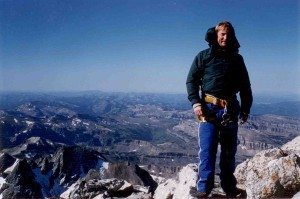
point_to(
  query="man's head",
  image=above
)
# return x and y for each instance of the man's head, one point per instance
(225, 32)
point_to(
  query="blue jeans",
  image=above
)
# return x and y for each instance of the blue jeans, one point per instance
(210, 134)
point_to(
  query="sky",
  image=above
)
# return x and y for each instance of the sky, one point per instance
(141, 45)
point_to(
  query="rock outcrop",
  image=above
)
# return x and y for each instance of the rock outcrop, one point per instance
(20, 183)
(111, 184)
(6, 161)
(47, 176)
(73, 162)
(272, 173)
(99, 188)
(179, 187)
(131, 173)
(74, 172)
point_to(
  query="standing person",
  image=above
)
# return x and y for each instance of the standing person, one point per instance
(219, 72)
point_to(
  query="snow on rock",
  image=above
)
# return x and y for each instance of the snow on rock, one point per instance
(96, 188)
(85, 123)
(76, 121)
(2, 181)
(29, 123)
(100, 196)
(178, 188)
(68, 192)
(11, 168)
(271, 173)
(104, 164)
(21, 182)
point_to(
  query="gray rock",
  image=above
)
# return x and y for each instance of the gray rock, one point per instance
(21, 183)
(179, 187)
(5, 161)
(131, 173)
(72, 162)
(99, 188)
(271, 173)
(296, 196)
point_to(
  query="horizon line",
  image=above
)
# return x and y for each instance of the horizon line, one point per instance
(136, 92)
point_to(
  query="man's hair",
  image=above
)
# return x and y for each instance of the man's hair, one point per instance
(211, 35)
(225, 25)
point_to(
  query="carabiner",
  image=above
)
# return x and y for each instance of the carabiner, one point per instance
(225, 117)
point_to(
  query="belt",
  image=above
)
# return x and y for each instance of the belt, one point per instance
(216, 101)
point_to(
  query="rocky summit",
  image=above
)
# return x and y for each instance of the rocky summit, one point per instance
(272, 173)
(117, 180)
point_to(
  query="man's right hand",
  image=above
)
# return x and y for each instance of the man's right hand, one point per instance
(198, 111)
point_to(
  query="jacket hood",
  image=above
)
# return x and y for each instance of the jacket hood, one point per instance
(211, 38)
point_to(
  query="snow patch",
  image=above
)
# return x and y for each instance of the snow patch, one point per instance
(62, 180)
(67, 193)
(158, 179)
(11, 168)
(125, 185)
(100, 196)
(101, 165)
(105, 165)
(49, 142)
(85, 123)
(75, 121)
(29, 123)
(2, 181)
(28, 155)
(25, 131)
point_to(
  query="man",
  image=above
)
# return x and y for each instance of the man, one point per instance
(220, 73)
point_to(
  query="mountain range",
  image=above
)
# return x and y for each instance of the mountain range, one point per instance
(60, 137)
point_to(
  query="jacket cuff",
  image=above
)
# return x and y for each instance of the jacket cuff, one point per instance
(196, 105)
(195, 101)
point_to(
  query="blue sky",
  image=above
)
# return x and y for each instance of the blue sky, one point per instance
(139, 45)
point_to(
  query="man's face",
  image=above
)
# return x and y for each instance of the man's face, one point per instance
(222, 37)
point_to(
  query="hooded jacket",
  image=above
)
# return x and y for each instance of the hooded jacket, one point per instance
(219, 72)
